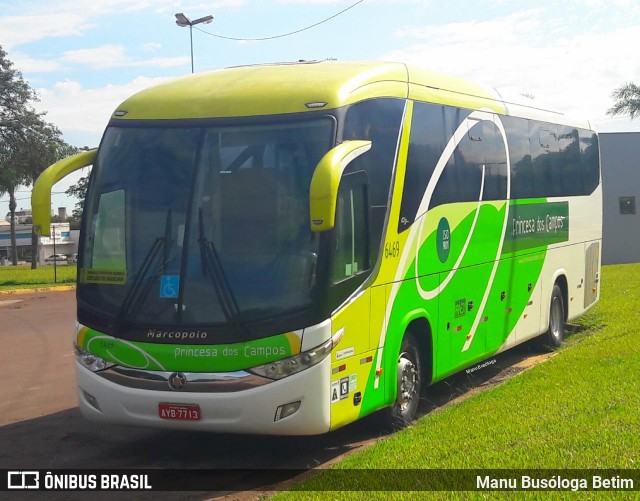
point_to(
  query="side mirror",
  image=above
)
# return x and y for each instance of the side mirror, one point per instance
(41, 194)
(323, 194)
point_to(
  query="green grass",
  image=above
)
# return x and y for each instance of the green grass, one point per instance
(23, 277)
(578, 410)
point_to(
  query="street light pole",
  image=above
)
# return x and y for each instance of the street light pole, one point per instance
(183, 21)
(191, 40)
(55, 256)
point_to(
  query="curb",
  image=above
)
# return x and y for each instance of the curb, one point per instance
(38, 289)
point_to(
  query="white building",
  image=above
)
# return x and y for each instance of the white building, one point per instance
(62, 239)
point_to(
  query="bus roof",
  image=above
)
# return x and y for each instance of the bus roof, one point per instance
(267, 89)
(305, 86)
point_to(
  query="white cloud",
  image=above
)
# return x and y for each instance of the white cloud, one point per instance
(163, 62)
(314, 2)
(509, 28)
(346, 3)
(25, 63)
(195, 9)
(151, 47)
(114, 56)
(18, 30)
(105, 56)
(527, 52)
(83, 113)
(61, 18)
(101, 6)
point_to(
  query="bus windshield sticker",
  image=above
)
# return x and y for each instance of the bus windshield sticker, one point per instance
(108, 277)
(353, 383)
(346, 353)
(344, 388)
(335, 387)
(169, 286)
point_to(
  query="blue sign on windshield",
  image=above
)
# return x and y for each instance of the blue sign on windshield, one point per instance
(169, 286)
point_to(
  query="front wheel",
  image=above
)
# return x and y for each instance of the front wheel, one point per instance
(404, 409)
(552, 339)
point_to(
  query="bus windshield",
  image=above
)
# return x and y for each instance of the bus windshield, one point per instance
(198, 226)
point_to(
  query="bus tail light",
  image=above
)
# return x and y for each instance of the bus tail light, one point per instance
(292, 365)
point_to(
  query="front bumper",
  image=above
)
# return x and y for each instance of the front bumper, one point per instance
(249, 410)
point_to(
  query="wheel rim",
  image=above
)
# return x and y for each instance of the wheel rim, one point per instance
(555, 323)
(407, 382)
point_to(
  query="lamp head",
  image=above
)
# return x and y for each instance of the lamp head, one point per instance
(182, 20)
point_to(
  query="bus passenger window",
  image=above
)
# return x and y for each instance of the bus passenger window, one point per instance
(543, 147)
(431, 128)
(590, 161)
(567, 162)
(517, 130)
(379, 121)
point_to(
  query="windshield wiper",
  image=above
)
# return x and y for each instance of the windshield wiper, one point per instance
(213, 268)
(167, 241)
(133, 298)
(133, 294)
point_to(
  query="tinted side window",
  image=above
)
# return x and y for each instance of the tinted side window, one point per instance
(377, 120)
(546, 160)
(517, 130)
(431, 129)
(551, 160)
(544, 144)
(449, 189)
(568, 161)
(480, 150)
(466, 174)
(494, 159)
(590, 160)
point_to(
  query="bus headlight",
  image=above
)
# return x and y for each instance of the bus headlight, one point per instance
(89, 360)
(301, 361)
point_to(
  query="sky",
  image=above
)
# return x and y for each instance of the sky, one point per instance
(84, 58)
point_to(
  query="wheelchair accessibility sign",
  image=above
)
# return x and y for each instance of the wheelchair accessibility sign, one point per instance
(169, 286)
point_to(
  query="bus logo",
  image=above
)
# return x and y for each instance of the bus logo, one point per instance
(177, 381)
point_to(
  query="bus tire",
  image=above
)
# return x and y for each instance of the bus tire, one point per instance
(403, 411)
(552, 339)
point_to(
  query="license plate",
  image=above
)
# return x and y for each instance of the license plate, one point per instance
(179, 412)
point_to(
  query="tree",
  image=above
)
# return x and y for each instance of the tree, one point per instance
(15, 95)
(627, 98)
(59, 150)
(79, 191)
(28, 144)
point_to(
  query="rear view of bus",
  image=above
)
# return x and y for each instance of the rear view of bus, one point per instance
(244, 264)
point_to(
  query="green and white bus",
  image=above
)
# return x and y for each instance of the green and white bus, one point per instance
(284, 249)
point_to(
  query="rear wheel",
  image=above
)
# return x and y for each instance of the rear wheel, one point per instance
(404, 409)
(552, 339)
